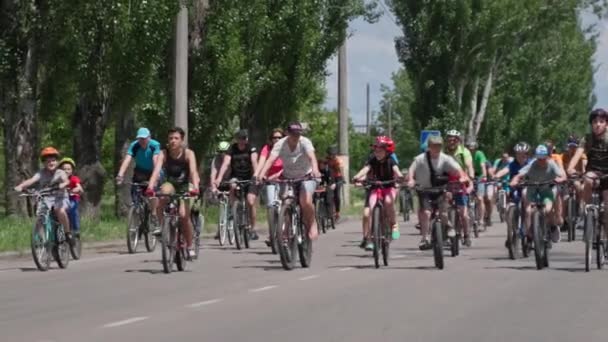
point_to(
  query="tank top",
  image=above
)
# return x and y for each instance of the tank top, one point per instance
(597, 153)
(176, 170)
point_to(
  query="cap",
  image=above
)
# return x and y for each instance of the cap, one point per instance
(541, 152)
(143, 133)
(294, 127)
(435, 140)
(242, 134)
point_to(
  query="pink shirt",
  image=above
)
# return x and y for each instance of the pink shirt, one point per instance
(277, 166)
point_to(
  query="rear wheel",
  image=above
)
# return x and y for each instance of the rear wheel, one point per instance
(222, 229)
(304, 247)
(40, 245)
(589, 234)
(181, 254)
(376, 231)
(286, 240)
(61, 249)
(168, 248)
(539, 240)
(133, 225)
(512, 232)
(76, 247)
(571, 218)
(437, 244)
(238, 229)
(197, 223)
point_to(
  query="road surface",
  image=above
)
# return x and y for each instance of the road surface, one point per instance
(232, 295)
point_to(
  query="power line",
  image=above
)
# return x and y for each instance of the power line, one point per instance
(388, 12)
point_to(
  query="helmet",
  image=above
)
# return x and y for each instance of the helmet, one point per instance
(521, 147)
(386, 142)
(223, 146)
(572, 141)
(49, 152)
(472, 145)
(67, 160)
(599, 112)
(332, 150)
(541, 151)
(453, 133)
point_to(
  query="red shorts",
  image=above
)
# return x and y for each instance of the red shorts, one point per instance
(386, 192)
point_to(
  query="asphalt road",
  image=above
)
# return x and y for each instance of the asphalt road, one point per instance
(232, 295)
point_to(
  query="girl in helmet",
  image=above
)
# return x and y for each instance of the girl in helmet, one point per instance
(51, 176)
(75, 189)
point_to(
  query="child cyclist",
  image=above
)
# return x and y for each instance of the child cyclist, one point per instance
(381, 167)
(75, 189)
(51, 176)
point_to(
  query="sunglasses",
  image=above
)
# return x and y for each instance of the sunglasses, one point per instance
(276, 138)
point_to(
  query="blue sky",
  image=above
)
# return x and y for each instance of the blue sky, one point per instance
(372, 58)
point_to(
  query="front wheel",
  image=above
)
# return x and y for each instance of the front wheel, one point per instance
(286, 240)
(168, 247)
(198, 224)
(437, 244)
(133, 225)
(589, 234)
(238, 229)
(512, 232)
(376, 235)
(40, 244)
(571, 218)
(305, 246)
(222, 224)
(61, 249)
(273, 218)
(539, 240)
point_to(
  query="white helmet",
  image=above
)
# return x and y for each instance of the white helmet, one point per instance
(453, 133)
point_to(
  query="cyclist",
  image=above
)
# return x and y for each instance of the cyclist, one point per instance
(242, 159)
(595, 145)
(336, 170)
(50, 176)
(381, 168)
(559, 198)
(75, 189)
(216, 164)
(542, 169)
(270, 190)
(484, 191)
(426, 171)
(180, 169)
(572, 145)
(299, 160)
(145, 151)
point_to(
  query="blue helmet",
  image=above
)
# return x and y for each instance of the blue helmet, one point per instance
(541, 151)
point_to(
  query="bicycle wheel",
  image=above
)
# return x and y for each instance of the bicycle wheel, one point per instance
(272, 228)
(150, 239)
(40, 246)
(197, 223)
(437, 243)
(305, 246)
(473, 218)
(61, 248)
(376, 234)
(76, 247)
(166, 242)
(386, 244)
(571, 218)
(246, 228)
(222, 229)
(230, 232)
(133, 224)
(285, 238)
(238, 229)
(589, 234)
(512, 232)
(454, 241)
(181, 253)
(539, 241)
(320, 215)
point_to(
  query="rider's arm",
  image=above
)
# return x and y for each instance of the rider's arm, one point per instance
(213, 171)
(223, 169)
(261, 162)
(362, 172)
(27, 183)
(397, 172)
(276, 175)
(156, 173)
(516, 180)
(502, 172)
(313, 161)
(254, 161)
(577, 156)
(125, 164)
(194, 177)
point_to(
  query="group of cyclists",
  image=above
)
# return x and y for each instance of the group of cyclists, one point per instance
(172, 168)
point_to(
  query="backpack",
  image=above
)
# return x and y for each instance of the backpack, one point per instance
(436, 180)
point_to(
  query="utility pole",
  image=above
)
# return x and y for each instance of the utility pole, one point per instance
(367, 108)
(343, 118)
(390, 121)
(180, 71)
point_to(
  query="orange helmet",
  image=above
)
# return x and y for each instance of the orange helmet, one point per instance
(49, 152)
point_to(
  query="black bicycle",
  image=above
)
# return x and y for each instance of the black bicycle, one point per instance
(138, 220)
(572, 208)
(173, 240)
(240, 213)
(292, 237)
(436, 195)
(322, 199)
(406, 203)
(595, 231)
(540, 234)
(516, 237)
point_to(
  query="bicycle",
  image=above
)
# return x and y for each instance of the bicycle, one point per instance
(540, 233)
(405, 201)
(594, 227)
(323, 200)
(473, 210)
(291, 234)
(501, 201)
(273, 219)
(572, 208)
(240, 214)
(515, 226)
(225, 225)
(456, 221)
(173, 241)
(48, 234)
(437, 228)
(381, 230)
(138, 219)
(198, 223)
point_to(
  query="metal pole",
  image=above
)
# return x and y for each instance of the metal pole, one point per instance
(390, 121)
(343, 118)
(367, 130)
(180, 85)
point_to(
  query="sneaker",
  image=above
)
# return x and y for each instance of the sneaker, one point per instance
(467, 241)
(369, 246)
(155, 226)
(488, 222)
(253, 235)
(556, 235)
(267, 242)
(507, 244)
(191, 252)
(424, 245)
(363, 243)
(418, 226)
(451, 232)
(217, 236)
(395, 234)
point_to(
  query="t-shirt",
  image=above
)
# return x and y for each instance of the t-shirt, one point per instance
(596, 149)
(515, 167)
(241, 165)
(557, 158)
(74, 181)
(381, 170)
(566, 158)
(534, 172)
(144, 161)
(296, 163)
(277, 166)
(47, 179)
(335, 167)
(500, 164)
(479, 161)
(442, 165)
(462, 155)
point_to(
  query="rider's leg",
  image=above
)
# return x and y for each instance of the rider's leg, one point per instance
(184, 218)
(307, 190)
(63, 219)
(489, 201)
(481, 192)
(337, 198)
(389, 210)
(74, 216)
(528, 219)
(251, 203)
(559, 207)
(588, 184)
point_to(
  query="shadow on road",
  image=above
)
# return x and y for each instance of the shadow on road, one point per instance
(359, 267)
(517, 268)
(150, 271)
(353, 255)
(28, 269)
(265, 268)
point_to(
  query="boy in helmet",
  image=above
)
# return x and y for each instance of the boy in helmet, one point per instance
(336, 170)
(51, 176)
(595, 146)
(75, 189)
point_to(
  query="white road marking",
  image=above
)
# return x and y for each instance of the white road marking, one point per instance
(125, 322)
(207, 302)
(265, 288)
(314, 276)
(345, 269)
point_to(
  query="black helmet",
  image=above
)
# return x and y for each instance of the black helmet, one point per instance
(598, 112)
(332, 150)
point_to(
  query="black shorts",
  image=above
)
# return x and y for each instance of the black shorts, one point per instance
(603, 186)
(249, 188)
(425, 199)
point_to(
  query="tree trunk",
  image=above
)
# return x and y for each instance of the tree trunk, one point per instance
(90, 120)
(20, 128)
(473, 108)
(125, 127)
(478, 113)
